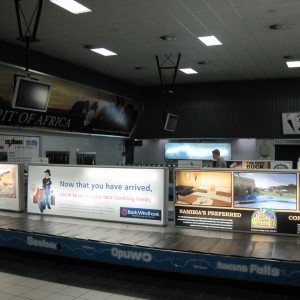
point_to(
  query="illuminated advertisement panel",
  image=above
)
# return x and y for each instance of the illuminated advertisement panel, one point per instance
(11, 191)
(133, 195)
(262, 201)
(196, 150)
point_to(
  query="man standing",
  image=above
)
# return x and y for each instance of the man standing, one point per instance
(221, 163)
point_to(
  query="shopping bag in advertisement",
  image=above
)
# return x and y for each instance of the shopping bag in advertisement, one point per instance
(36, 195)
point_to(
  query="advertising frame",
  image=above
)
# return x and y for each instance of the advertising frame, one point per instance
(136, 195)
(257, 201)
(12, 187)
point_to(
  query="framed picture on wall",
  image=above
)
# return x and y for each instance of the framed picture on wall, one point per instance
(291, 123)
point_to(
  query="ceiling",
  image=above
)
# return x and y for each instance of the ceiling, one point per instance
(132, 29)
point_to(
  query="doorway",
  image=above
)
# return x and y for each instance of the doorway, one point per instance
(288, 152)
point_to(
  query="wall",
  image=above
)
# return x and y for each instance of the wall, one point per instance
(109, 150)
(241, 109)
(236, 111)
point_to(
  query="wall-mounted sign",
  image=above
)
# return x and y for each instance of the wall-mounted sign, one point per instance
(256, 164)
(19, 149)
(133, 195)
(259, 164)
(291, 123)
(281, 165)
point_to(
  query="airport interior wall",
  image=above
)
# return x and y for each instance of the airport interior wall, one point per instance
(241, 109)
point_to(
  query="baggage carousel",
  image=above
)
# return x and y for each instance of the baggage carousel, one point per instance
(234, 255)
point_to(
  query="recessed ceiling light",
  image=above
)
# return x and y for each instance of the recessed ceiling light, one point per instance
(275, 27)
(103, 51)
(188, 71)
(71, 6)
(293, 64)
(278, 27)
(209, 40)
(168, 38)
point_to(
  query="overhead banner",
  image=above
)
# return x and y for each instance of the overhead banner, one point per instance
(65, 106)
(133, 195)
(262, 201)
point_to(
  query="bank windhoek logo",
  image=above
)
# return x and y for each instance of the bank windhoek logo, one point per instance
(264, 218)
(124, 212)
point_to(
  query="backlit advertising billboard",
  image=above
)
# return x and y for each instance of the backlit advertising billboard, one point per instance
(262, 201)
(121, 194)
(11, 187)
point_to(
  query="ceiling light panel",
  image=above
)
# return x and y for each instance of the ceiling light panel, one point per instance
(103, 51)
(293, 64)
(71, 6)
(188, 71)
(209, 40)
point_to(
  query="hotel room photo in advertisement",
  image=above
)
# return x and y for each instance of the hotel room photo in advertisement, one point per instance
(254, 201)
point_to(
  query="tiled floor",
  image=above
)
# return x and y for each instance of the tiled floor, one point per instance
(26, 275)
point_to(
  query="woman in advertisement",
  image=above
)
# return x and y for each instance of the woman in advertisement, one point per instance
(47, 188)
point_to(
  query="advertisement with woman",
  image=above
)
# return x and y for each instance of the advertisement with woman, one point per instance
(122, 194)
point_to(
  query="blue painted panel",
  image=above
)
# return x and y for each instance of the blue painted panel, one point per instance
(258, 270)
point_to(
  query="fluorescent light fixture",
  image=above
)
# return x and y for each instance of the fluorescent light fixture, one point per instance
(188, 71)
(293, 64)
(209, 40)
(72, 6)
(103, 51)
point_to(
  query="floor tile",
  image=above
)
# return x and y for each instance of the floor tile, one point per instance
(6, 296)
(96, 295)
(53, 287)
(14, 279)
(33, 283)
(4, 285)
(56, 296)
(73, 291)
(36, 294)
(120, 297)
(16, 290)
